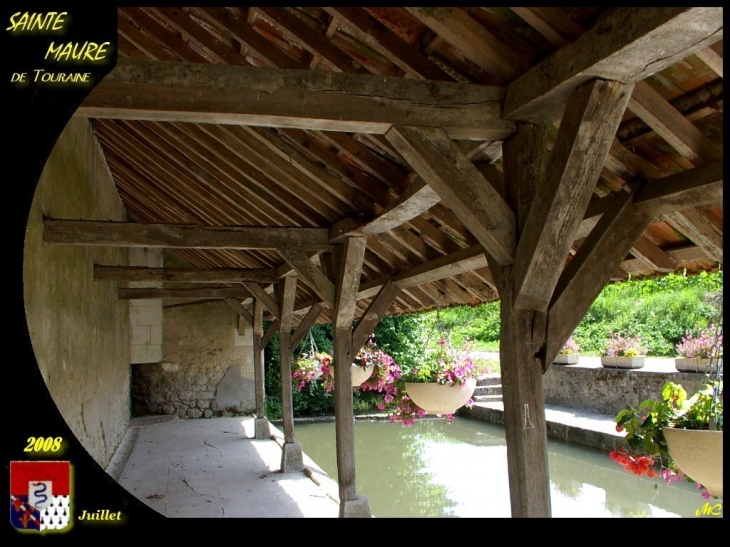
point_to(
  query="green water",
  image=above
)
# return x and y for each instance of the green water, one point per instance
(460, 470)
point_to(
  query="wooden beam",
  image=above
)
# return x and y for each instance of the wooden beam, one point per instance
(372, 316)
(670, 124)
(461, 187)
(306, 324)
(270, 332)
(698, 187)
(464, 260)
(241, 310)
(693, 225)
(584, 138)
(591, 268)
(348, 282)
(711, 59)
(258, 292)
(416, 200)
(304, 99)
(177, 236)
(207, 292)
(311, 275)
(628, 46)
(180, 275)
(258, 359)
(479, 45)
(371, 32)
(286, 293)
(653, 256)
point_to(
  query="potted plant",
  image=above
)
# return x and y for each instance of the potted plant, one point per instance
(623, 352)
(308, 368)
(696, 352)
(683, 436)
(568, 354)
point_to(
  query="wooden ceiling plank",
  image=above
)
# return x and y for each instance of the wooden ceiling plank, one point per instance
(478, 45)
(203, 292)
(380, 38)
(255, 43)
(310, 39)
(591, 268)
(311, 275)
(711, 59)
(653, 256)
(130, 234)
(144, 43)
(588, 127)
(305, 99)
(628, 46)
(181, 21)
(460, 185)
(179, 275)
(694, 226)
(670, 124)
(533, 17)
(166, 36)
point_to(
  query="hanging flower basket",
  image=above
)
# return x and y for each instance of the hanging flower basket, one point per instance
(358, 373)
(441, 399)
(698, 453)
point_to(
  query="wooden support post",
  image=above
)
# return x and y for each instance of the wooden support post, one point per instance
(259, 374)
(523, 334)
(287, 289)
(349, 270)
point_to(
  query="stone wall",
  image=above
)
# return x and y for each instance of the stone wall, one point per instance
(609, 390)
(145, 315)
(207, 365)
(78, 328)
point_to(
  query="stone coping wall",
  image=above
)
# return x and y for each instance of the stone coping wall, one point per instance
(610, 390)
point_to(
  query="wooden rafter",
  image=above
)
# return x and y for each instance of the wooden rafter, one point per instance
(628, 45)
(311, 275)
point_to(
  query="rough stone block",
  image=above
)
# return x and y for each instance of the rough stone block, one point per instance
(194, 413)
(291, 458)
(207, 413)
(145, 354)
(155, 334)
(141, 313)
(357, 508)
(261, 428)
(140, 335)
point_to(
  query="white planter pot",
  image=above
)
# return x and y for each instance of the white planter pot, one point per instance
(441, 399)
(699, 454)
(359, 374)
(623, 362)
(569, 359)
(685, 364)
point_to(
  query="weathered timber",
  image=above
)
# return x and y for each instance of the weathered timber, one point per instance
(461, 187)
(584, 138)
(670, 124)
(380, 38)
(241, 310)
(415, 201)
(698, 187)
(270, 332)
(348, 281)
(286, 292)
(258, 359)
(711, 59)
(305, 324)
(693, 225)
(304, 99)
(269, 303)
(180, 275)
(311, 275)
(203, 292)
(628, 45)
(131, 234)
(374, 313)
(653, 256)
(591, 268)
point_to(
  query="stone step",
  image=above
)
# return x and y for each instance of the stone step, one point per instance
(490, 380)
(487, 398)
(488, 390)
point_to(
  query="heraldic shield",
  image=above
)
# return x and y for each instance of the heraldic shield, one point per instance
(40, 495)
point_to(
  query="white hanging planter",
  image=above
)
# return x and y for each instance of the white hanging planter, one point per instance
(698, 453)
(566, 359)
(623, 361)
(685, 364)
(441, 399)
(358, 373)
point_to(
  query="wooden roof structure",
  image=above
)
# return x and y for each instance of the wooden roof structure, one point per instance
(226, 167)
(398, 159)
